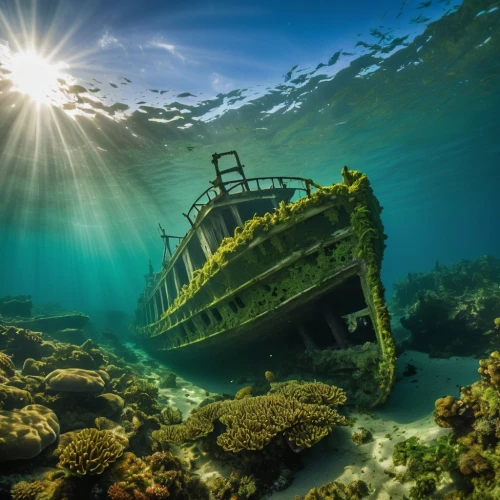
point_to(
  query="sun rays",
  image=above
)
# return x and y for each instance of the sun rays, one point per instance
(61, 167)
(36, 76)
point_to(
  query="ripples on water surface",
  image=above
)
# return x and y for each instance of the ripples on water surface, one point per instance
(86, 179)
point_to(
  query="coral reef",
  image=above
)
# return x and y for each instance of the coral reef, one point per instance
(338, 491)
(235, 486)
(75, 380)
(109, 405)
(361, 361)
(425, 463)
(7, 368)
(244, 392)
(21, 343)
(142, 395)
(26, 432)
(27, 491)
(451, 311)
(475, 420)
(301, 412)
(310, 392)
(171, 416)
(13, 398)
(362, 436)
(251, 424)
(90, 452)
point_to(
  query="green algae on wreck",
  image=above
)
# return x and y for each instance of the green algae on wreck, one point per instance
(258, 267)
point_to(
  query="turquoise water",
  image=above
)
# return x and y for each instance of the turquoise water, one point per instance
(82, 193)
(109, 115)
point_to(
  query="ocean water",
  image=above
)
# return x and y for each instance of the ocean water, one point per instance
(81, 195)
(117, 134)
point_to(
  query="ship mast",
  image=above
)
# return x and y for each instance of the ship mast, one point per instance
(166, 242)
(218, 182)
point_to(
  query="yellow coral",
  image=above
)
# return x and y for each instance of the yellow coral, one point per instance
(27, 491)
(244, 392)
(6, 365)
(200, 423)
(310, 392)
(90, 452)
(251, 423)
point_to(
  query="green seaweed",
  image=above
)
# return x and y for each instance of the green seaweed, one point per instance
(263, 234)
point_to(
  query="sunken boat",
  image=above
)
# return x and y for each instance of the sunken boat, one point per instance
(275, 264)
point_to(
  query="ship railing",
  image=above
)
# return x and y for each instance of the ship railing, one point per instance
(254, 184)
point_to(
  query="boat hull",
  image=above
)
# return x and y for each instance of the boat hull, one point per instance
(293, 278)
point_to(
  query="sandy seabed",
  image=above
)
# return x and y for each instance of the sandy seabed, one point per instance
(408, 412)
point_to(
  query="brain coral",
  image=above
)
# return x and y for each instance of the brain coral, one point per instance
(25, 433)
(75, 380)
(90, 452)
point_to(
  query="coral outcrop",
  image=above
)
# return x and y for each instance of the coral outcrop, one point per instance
(7, 368)
(12, 397)
(303, 413)
(21, 343)
(90, 452)
(171, 416)
(451, 311)
(27, 491)
(471, 451)
(338, 491)
(425, 463)
(361, 361)
(75, 380)
(26, 432)
(254, 422)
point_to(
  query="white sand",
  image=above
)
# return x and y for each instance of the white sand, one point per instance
(408, 412)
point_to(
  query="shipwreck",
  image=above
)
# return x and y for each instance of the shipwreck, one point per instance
(273, 261)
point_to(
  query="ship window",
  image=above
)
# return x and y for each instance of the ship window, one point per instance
(190, 326)
(216, 314)
(172, 291)
(205, 318)
(180, 269)
(164, 295)
(196, 253)
(228, 218)
(233, 307)
(239, 302)
(158, 303)
(183, 332)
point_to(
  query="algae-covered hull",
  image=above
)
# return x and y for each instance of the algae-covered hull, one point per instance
(305, 275)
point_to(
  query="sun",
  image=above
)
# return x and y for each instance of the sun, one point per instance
(35, 76)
